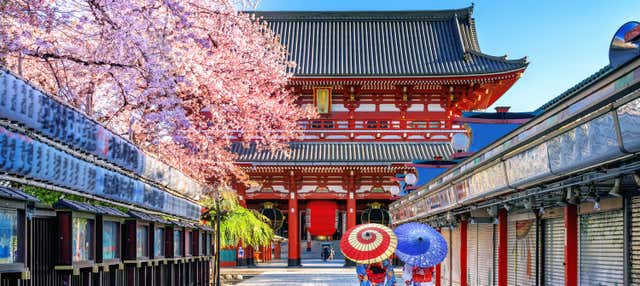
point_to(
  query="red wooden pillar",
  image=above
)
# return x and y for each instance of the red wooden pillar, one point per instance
(351, 202)
(463, 253)
(502, 248)
(294, 240)
(438, 271)
(241, 190)
(571, 245)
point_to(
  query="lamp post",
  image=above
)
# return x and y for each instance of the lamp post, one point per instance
(217, 257)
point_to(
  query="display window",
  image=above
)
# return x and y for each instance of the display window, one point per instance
(159, 242)
(9, 238)
(142, 241)
(82, 241)
(177, 243)
(110, 240)
(208, 245)
(188, 243)
(201, 245)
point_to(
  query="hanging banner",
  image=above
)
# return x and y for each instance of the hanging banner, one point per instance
(23, 156)
(24, 105)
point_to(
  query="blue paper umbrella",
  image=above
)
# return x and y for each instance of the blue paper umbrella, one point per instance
(420, 245)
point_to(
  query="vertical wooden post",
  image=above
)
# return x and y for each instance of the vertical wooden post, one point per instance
(294, 240)
(438, 270)
(571, 245)
(463, 252)
(351, 202)
(502, 248)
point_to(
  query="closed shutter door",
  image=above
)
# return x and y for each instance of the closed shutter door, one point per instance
(486, 253)
(472, 255)
(526, 253)
(455, 256)
(601, 248)
(511, 254)
(496, 236)
(635, 241)
(554, 252)
(522, 249)
(445, 267)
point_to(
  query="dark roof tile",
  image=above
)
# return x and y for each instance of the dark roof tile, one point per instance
(15, 194)
(87, 207)
(384, 43)
(345, 153)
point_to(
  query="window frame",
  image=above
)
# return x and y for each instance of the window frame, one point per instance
(20, 207)
(158, 226)
(147, 255)
(88, 262)
(118, 258)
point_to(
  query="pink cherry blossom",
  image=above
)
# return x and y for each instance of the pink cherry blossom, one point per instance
(180, 78)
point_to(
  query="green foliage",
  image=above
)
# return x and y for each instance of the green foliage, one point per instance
(238, 223)
(48, 197)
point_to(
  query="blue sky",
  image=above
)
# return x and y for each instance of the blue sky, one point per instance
(565, 41)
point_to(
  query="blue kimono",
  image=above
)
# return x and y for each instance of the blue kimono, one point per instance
(390, 278)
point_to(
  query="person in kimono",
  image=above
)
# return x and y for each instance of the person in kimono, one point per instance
(376, 274)
(417, 276)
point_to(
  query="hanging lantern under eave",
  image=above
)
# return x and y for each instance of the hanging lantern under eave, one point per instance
(321, 217)
(375, 214)
(273, 214)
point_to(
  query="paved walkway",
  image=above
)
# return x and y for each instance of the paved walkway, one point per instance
(314, 272)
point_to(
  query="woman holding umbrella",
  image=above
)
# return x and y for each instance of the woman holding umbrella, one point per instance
(417, 276)
(420, 247)
(370, 245)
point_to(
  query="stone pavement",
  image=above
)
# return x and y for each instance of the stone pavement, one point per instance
(314, 272)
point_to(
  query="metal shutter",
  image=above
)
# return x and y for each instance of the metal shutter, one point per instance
(485, 254)
(496, 236)
(635, 240)
(455, 256)
(472, 255)
(601, 248)
(554, 251)
(445, 267)
(511, 254)
(526, 252)
(522, 251)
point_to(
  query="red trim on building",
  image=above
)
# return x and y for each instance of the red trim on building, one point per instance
(463, 253)
(502, 248)
(501, 75)
(438, 272)
(571, 245)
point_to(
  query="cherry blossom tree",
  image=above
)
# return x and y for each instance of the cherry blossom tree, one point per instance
(181, 78)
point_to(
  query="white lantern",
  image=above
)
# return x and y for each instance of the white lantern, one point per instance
(410, 178)
(460, 142)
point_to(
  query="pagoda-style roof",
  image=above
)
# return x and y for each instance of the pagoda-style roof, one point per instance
(344, 153)
(385, 44)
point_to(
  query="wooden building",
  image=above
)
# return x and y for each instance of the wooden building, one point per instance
(388, 87)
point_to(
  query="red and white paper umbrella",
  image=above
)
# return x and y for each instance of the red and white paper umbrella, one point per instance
(368, 243)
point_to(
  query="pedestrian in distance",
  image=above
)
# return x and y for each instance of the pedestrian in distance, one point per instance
(331, 253)
(325, 253)
(240, 256)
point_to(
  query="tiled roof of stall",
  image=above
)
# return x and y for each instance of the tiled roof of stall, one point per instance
(347, 152)
(15, 194)
(148, 217)
(87, 207)
(385, 43)
(576, 88)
